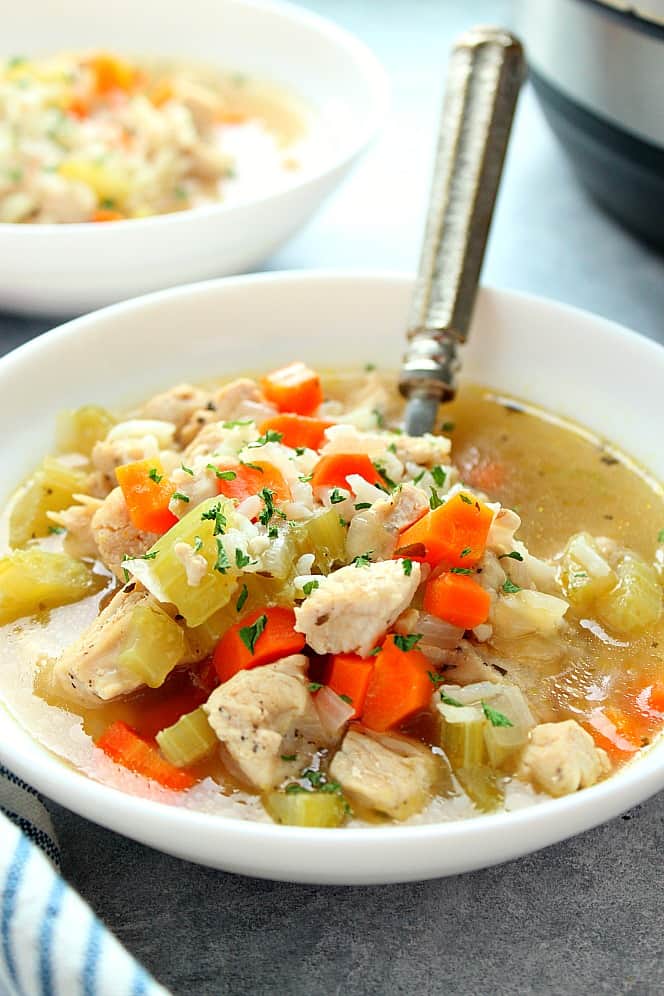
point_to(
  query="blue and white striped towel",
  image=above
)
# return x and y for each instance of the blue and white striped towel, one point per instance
(51, 943)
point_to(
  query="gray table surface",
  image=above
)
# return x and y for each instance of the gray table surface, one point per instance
(582, 916)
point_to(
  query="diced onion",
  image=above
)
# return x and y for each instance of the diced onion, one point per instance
(333, 712)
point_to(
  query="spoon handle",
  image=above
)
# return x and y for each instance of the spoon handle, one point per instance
(485, 73)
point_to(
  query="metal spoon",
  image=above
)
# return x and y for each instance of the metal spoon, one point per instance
(485, 73)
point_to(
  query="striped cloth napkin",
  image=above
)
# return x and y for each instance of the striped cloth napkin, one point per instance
(51, 943)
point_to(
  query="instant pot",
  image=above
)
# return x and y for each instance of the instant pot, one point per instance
(598, 71)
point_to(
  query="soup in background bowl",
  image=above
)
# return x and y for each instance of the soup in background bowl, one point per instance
(547, 653)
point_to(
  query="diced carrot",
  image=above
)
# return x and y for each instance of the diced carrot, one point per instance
(251, 480)
(261, 637)
(332, 471)
(161, 93)
(399, 687)
(348, 675)
(228, 116)
(298, 430)
(147, 492)
(79, 107)
(295, 388)
(124, 746)
(111, 73)
(106, 214)
(454, 533)
(458, 599)
(615, 731)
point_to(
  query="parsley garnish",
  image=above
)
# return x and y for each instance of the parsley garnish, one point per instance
(448, 700)
(223, 475)
(289, 757)
(222, 563)
(336, 497)
(347, 699)
(514, 555)
(272, 532)
(380, 418)
(369, 367)
(465, 499)
(241, 559)
(314, 686)
(216, 515)
(660, 536)
(252, 466)
(269, 509)
(407, 566)
(362, 504)
(447, 426)
(309, 586)
(495, 718)
(510, 588)
(342, 521)
(435, 679)
(249, 634)
(239, 605)
(460, 570)
(406, 643)
(363, 559)
(305, 478)
(234, 423)
(147, 556)
(271, 436)
(375, 652)
(383, 473)
(56, 529)
(439, 476)
(418, 477)
(435, 501)
(154, 475)
(198, 544)
(466, 550)
(125, 572)
(299, 450)
(179, 496)
(187, 470)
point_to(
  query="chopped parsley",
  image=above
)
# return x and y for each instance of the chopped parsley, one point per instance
(447, 426)
(241, 559)
(300, 450)
(514, 555)
(289, 757)
(271, 436)
(108, 203)
(187, 470)
(407, 565)
(362, 559)
(239, 605)
(380, 418)
(216, 515)
(309, 586)
(660, 536)
(510, 588)
(314, 686)
(435, 501)
(439, 476)
(198, 544)
(179, 496)
(305, 478)
(466, 550)
(435, 678)
(249, 634)
(465, 499)
(269, 510)
(180, 193)
(460, 570)
(236, 423)
(406, 643)
(57, 529)
(375, 651)
(369, 367)
(125, 572)
(336, 496)
(154, 475)
(147, 556)
(362, 504)
(495, 718)
(252, 466)
(272, 532)
(347, 699)
(342, 521)
(418, 478)
(448, 700)
(383, 474)
(222, 563)
(223, 475)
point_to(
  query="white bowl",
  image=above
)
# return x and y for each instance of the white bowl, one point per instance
(568, 361)
(70, 269)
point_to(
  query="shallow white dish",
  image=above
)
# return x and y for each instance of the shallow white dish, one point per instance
(70, 269)
(565, 360)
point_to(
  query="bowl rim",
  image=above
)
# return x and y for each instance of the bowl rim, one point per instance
(118, 810)
(378, 89)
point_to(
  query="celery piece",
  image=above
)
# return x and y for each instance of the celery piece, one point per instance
(279, 558)
(202, 639)
(325, 537)
(78, 430)
(50, 489)
(636, 601)
(189, 740)
(33, 580)
(306, 809)
(584, 573)
(481, 786)
(462, 735)
(196, 602)
(503, 741)
(153, 646)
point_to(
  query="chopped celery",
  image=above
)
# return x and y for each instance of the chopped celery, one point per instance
(635, 602)
(325, 537)
(501, 741)
(202, 639)
(189, 740)
(153, 646)
(481, 785)
(79, 429)
(32, 580)
(306, 809)
(584, 573)
(462, 735)
(279, 558)
(50, 489)
(195, 602)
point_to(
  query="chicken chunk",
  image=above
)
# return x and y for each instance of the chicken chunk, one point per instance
(201, 101)
(177, 405)
(264, 715)
(562, 758)
(90, 666)
(426, 450)
(388, 774)
(377, 528)
(239, 399)
(108, 455)
(115, 535)
(79, 540)
(353, 607)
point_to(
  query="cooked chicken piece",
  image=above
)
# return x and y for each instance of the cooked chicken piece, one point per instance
(426, 450)
(353, 607)
(202, 103)
(465, 666)
(197, 487)
(388, 774)
(208, 162)
(90, 665)
(263, 715)
(177, 405)
(239, 399)
(377, 528)
(107, 455)
(562, 758)
(115, 535)
(501, 532)
(77, 520)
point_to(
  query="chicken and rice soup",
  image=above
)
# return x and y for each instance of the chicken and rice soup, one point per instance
(265, 599)
(92, 137)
